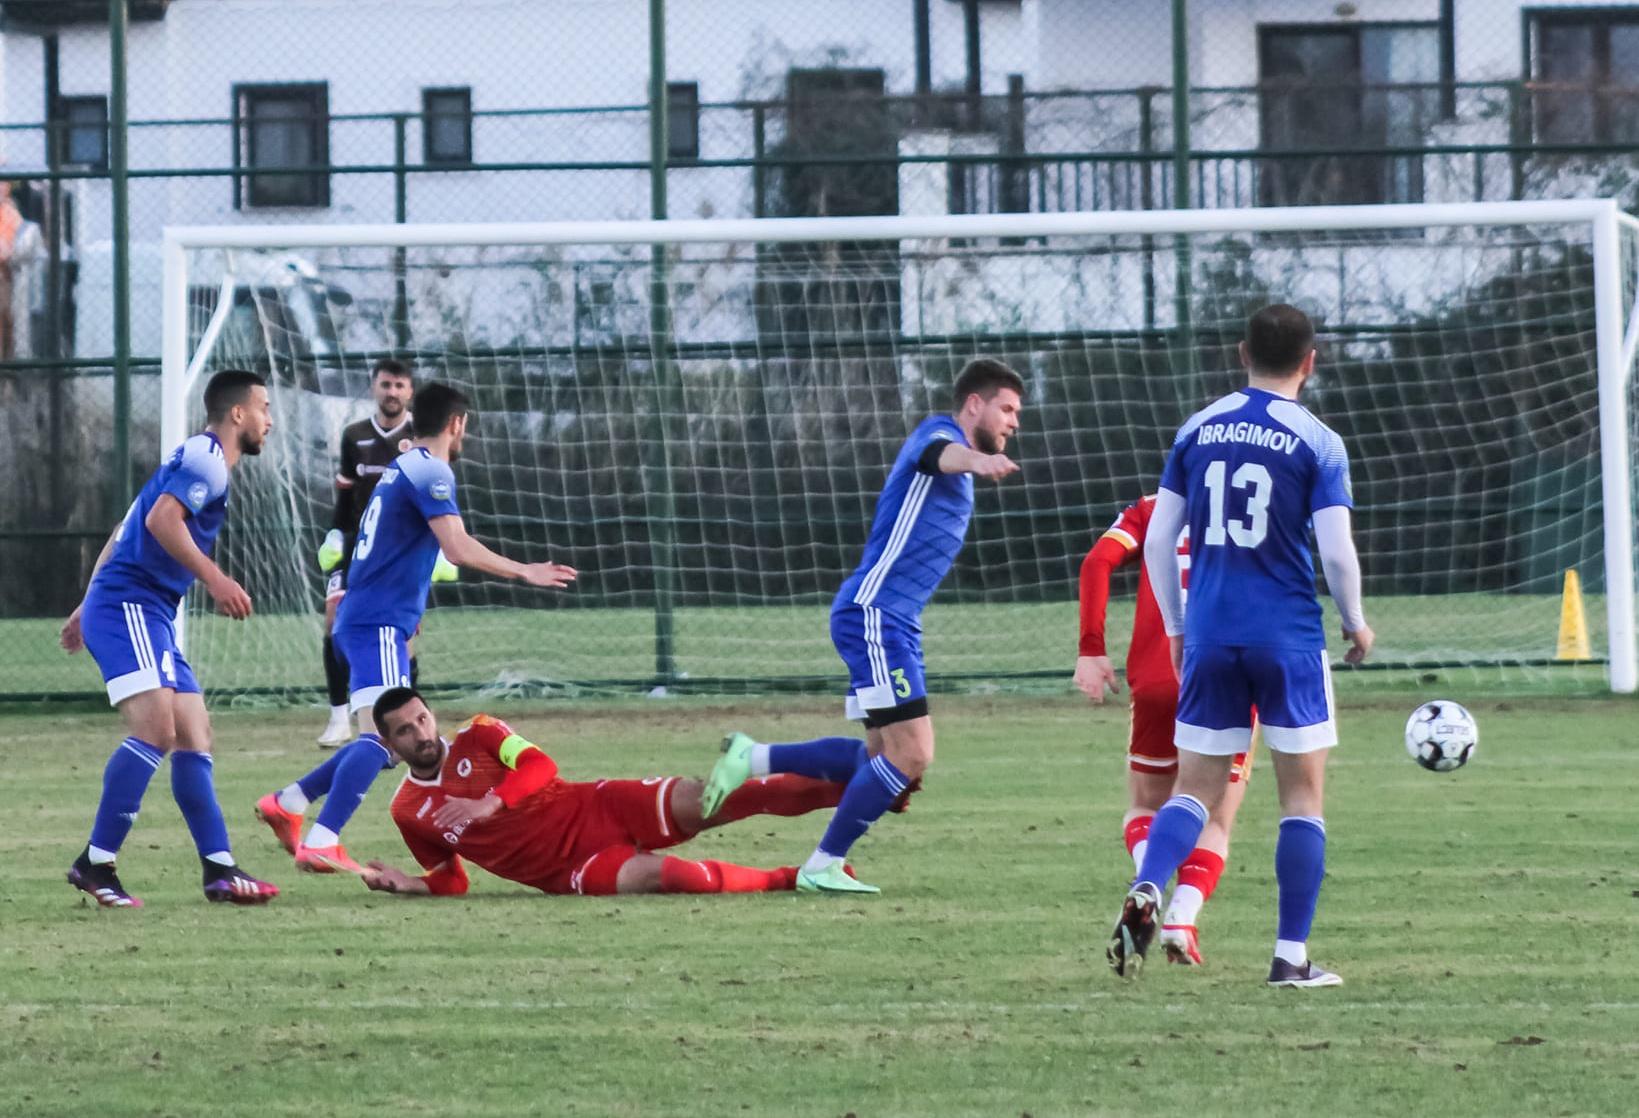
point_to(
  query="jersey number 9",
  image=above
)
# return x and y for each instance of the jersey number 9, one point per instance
(367, 528)
(1251, 531)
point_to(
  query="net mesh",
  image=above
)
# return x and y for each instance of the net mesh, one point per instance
(702, 429)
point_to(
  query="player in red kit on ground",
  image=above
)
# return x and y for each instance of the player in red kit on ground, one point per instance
(494, 799)
(1152, 759)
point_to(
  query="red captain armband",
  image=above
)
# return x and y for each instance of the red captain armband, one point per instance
(448, 880)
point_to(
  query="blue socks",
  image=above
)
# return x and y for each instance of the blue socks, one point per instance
(193, 786)
(834, 759)
(1300, 863)
(317, 783)
(1173, 834)
(356, 766)
(124, 779)
(872, 790)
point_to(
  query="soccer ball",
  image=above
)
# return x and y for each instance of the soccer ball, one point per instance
(1441, 735)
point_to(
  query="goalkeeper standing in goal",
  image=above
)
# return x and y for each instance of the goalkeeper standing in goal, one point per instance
(876, 623)
(411, 515)
(1250, 474)
(368, 447)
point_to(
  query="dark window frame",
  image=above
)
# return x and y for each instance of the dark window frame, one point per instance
(248, 178)
(68, 128)
(1599, 20)
(429, 153)
(1268, 87)
(682, 104)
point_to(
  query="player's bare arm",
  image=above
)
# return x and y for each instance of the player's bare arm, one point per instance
(957, 459)
(167, 521)
(464, 551)
(69, 636)
(382, 878)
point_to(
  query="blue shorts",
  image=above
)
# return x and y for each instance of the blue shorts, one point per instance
(377, 659)
(134, 645)
(884, 659)
(1290, 689)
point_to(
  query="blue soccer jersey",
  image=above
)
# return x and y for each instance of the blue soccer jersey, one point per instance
(921, 520)
(140, 570)
(1253, 469)
(392, 565)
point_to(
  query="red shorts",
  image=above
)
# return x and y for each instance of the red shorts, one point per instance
(626, 817)
(1150, 747)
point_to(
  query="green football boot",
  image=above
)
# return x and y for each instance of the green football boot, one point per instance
(833, 879)
(732, 769)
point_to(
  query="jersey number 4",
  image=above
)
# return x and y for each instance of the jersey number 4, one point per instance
(367, 528)
(1248, 532)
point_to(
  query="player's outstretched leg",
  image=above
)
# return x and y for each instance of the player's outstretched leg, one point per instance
(877, 784)
(124, 780)
(356, 768)
(828, 759)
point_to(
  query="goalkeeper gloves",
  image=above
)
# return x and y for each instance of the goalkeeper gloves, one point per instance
(444, 570)
(330, 554)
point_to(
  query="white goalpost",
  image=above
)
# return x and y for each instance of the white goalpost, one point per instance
(698, 415)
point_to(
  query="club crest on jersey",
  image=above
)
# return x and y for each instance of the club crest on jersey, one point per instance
(464, 767)
(439, 490)
(197, 492)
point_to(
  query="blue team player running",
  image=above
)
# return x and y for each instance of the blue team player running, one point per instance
(876, 624)
(411, 515)
(1250, 474)
(127, 622)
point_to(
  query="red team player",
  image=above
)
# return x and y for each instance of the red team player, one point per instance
(1151, 756)
(492, 798)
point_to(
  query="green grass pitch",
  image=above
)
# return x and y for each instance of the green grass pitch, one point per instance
(1485, 923)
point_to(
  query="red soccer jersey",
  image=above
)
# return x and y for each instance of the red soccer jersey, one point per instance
(1149, 658)
(527, 842)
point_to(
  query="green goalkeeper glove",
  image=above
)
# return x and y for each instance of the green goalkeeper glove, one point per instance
(330, 550)
(444, 570)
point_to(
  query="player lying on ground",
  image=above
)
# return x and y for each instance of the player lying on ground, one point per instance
(920, 521)
(1152, 758)
(127, 622)
(1251, 474)
(492, 798)
(411, 515)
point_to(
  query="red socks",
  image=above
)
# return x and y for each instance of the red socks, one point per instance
(679, 875)
(780, 794)
(1201, 869)
(1137, 830)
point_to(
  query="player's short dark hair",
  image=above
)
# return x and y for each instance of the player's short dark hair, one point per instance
(390, 700)
(434, 406)
(984, 377)
(1278, 338)
(389, 367)
(227, 390)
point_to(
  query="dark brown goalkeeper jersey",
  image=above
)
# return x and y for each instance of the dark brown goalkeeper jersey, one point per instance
(366, 450)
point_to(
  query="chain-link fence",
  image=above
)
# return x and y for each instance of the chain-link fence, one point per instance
(343, 111)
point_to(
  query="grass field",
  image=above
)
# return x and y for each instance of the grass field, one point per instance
(1484, 921)
(489, 647)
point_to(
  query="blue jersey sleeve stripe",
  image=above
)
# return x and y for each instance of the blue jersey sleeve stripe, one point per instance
(903, 523)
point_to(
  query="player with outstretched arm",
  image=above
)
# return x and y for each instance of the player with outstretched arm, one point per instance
(1249, 474)
(127, 622)
(412, 514)
(876, 622)
(493, 798)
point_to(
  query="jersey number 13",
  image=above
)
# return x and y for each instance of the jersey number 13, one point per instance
(1247, 532)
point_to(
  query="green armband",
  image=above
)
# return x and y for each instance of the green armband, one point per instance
(511, 746)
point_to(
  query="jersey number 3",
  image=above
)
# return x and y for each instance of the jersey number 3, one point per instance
(367, 528)
(1243, 533)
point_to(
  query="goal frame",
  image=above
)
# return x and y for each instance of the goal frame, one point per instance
(1617, 326)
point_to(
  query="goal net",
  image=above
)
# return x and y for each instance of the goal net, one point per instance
(699, 417)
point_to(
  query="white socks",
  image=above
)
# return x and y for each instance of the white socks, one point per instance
(759, 760)
(320, 837)
(293, 799)
(1185, 905)
(819, 861)
(1291, 951)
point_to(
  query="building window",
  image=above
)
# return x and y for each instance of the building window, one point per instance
(278, 127)
(1584, 73)
(84, 131)
(683, 121)
(1324, 86)
(446, 125)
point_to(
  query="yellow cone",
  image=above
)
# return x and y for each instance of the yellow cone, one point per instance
(1573, 622)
